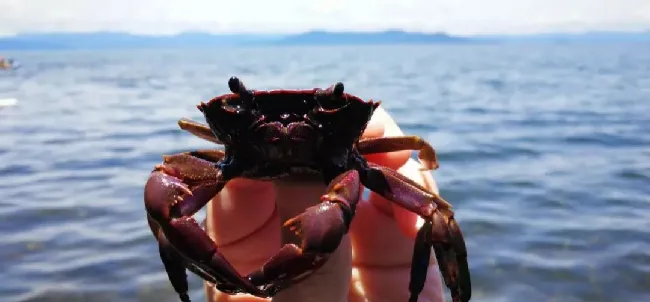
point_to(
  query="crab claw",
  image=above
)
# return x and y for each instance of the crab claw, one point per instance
(440, 231)
(176, 190)
(321, 228)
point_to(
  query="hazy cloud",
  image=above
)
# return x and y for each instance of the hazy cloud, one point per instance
(454, 16)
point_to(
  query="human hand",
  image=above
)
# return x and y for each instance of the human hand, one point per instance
(372, 262)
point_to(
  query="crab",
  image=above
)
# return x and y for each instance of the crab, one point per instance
(275, 133)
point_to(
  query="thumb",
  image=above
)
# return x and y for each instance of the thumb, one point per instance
(330, 283)
(238, 219)
(242, 221)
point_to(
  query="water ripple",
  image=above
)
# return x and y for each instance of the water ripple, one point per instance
(543, 151)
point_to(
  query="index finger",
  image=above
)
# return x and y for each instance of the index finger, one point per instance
(380, 272)
(382, 125)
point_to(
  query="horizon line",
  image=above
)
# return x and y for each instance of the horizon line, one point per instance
(330, 31)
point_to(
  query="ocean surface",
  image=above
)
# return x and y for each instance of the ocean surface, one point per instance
(544, 151)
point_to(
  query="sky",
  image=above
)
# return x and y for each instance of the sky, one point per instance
(462, 17)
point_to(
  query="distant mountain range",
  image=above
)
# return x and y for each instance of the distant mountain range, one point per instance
(113, 40)
(594, 36)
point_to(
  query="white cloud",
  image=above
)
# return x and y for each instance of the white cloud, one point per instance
(453, 16)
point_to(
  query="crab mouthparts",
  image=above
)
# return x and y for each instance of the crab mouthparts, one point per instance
(277, 131)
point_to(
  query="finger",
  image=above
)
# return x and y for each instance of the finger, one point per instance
(375, 126)
(330, 282)
(382, 251)
(407, 221)
(249, 251)
(253, 202)
(241, 219)
(381, 124)
(382, 233)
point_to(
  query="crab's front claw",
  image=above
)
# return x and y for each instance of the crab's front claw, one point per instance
(440, 231)
(182, 185)
(176, 190)
(321, 228)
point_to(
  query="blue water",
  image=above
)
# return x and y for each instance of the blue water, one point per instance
(544, 151)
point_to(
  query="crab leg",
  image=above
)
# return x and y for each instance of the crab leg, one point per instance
(440, 231)
(175, 264)
(398, 143)
(321, 228)
(198, 129)
(176, 189)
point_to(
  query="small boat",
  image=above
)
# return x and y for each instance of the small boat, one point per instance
(6, 63)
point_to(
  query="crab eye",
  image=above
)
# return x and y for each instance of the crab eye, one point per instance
(332, 98)
(232, 104)
(332, 103)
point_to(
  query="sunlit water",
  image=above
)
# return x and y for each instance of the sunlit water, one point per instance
(544, 151)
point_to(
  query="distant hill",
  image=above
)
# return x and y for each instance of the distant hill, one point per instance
(383, 37)
(594, 36)
(109, 40)
(113, 40)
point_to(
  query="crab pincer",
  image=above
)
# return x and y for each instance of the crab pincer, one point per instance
(176, 190)
(321, 228)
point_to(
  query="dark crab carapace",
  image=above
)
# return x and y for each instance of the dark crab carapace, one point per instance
(271, 134)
